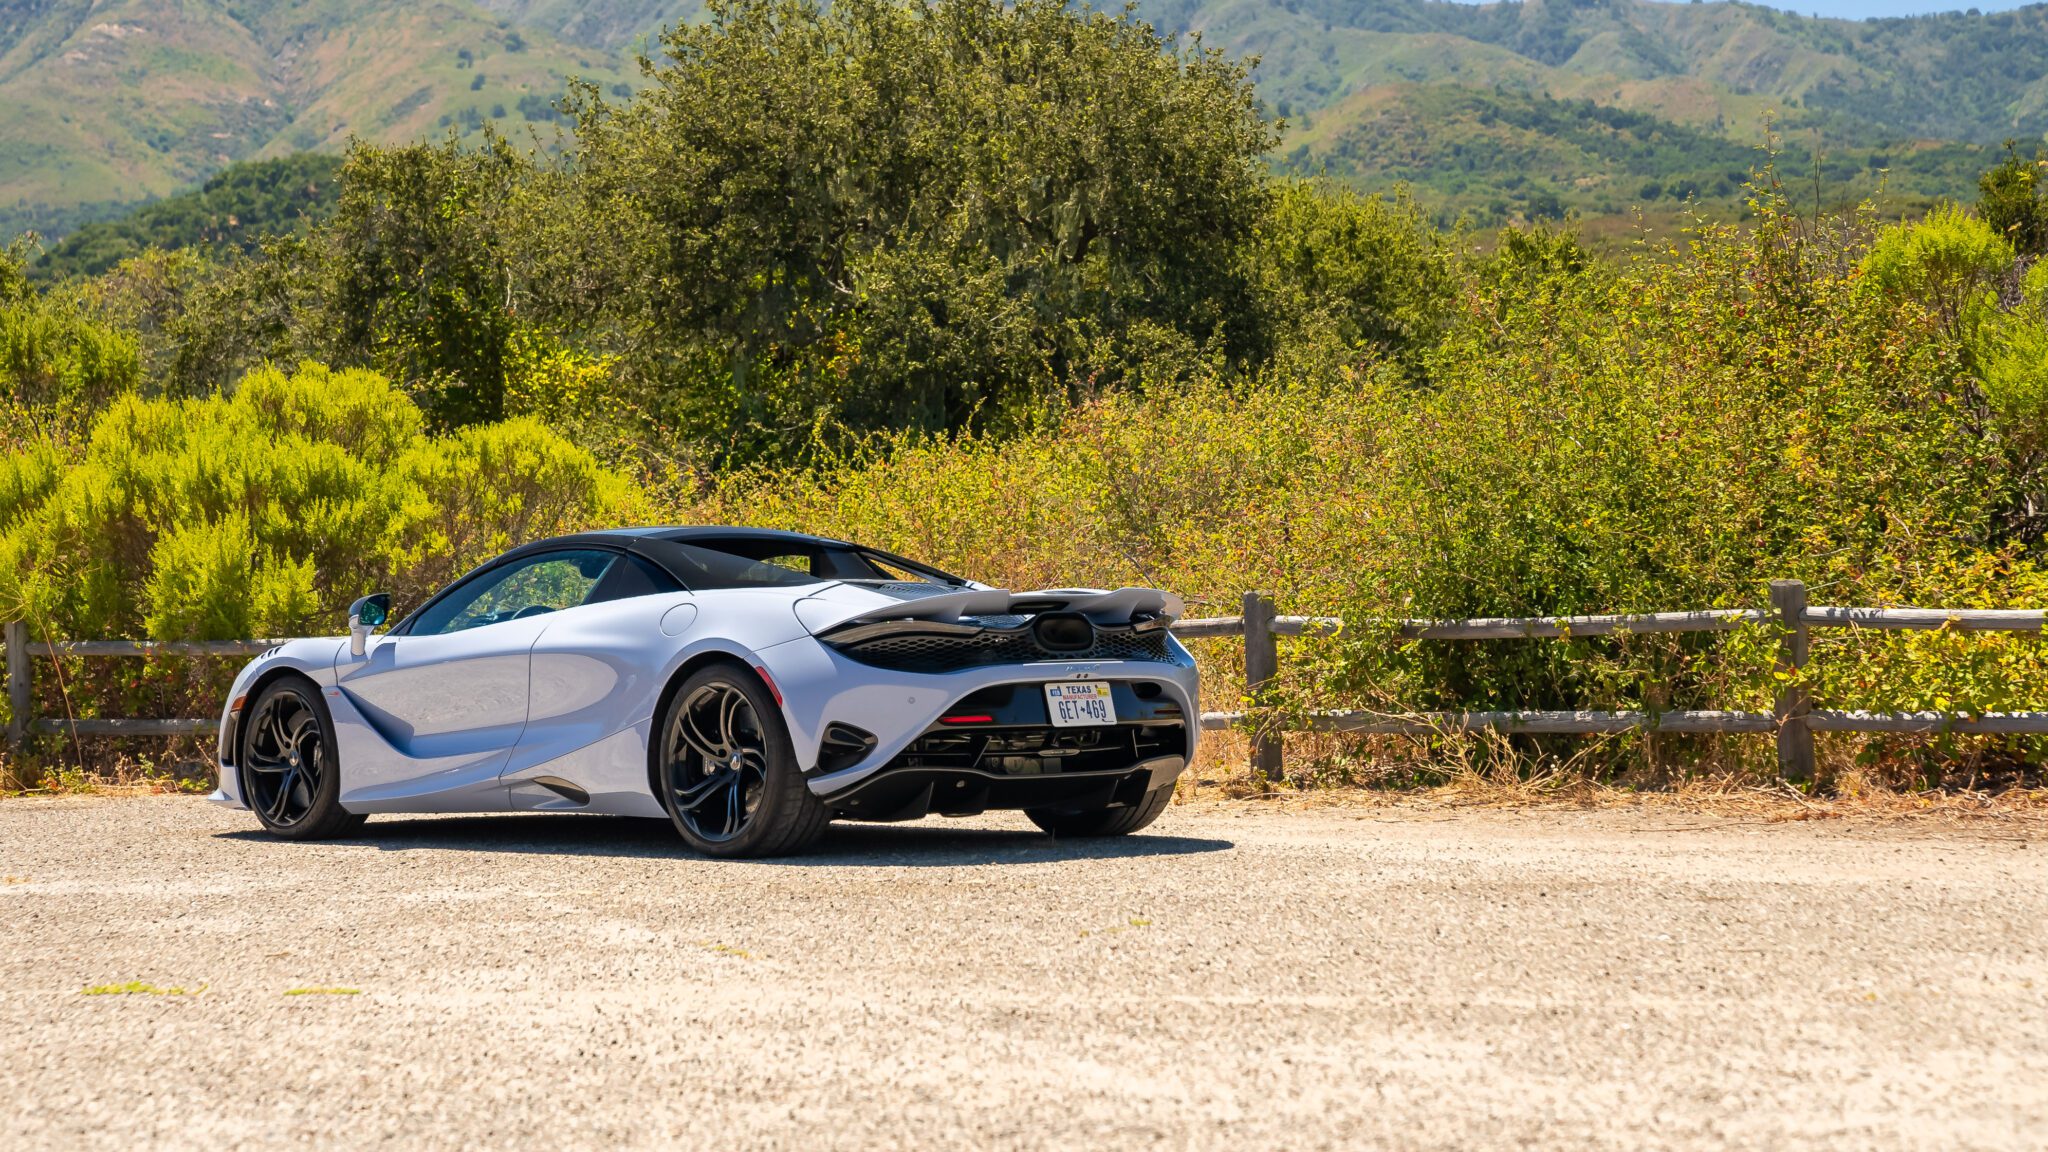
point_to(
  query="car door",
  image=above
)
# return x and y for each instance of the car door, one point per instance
(595, 674)
(448, 694)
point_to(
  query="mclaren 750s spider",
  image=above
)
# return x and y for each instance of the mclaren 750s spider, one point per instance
(748, 685)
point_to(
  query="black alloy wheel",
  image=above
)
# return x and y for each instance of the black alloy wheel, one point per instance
(718, 762)
(728, 773)
(290, 777)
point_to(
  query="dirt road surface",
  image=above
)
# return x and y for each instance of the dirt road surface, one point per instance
(1237, 978)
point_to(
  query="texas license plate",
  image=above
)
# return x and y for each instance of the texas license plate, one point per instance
(1080, 704)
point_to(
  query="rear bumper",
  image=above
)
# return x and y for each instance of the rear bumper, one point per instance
(996, 747)
(824, 690)
(911, 793)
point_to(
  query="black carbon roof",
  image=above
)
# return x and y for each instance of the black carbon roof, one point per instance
(683, 534)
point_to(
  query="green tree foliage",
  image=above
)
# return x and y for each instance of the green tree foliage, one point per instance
(893, 214)
(1670, 432)
(419, 287)
(408, 278)
(2011, 356)
(1372, 268)
(266, 512)
(1945, 262)
(2010, 200)
(232, 212)
(58, 362)
(880, 215)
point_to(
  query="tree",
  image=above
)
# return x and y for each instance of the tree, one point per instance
(409, 277)
(2010, 200)
(58, 363)
(420, 284)
(890, 213)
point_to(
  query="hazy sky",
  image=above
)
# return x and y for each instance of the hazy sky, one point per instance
(1858, 9)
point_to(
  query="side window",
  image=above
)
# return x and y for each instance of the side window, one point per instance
(704, 568)
(632, 576)
(547, 582)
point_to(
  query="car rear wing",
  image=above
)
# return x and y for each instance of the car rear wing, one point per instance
(1121, 606)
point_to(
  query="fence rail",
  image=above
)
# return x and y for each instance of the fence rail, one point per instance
(1792, 718)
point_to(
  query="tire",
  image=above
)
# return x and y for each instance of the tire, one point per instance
(1103, 821)
(727, 771)
(290, 773)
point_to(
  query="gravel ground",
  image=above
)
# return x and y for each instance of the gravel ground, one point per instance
(1237, 978)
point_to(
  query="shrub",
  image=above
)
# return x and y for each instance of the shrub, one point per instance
(58, 363)
(1945, 262)
(1669, 433)
(265, 512)
(2010, 201)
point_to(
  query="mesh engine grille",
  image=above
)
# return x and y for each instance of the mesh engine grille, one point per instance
(914, 653)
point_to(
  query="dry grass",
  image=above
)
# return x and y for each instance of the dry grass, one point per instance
(1492, 772)
(1334, 771)
(182, 770)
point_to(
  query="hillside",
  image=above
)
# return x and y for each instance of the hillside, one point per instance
(610, 24)
(1502, 111)
(234, 210)
(1501, 155)
(1509, 110)
(125, 100)
(1954, 77)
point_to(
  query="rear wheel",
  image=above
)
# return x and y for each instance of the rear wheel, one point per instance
(728, 771)
(1103, 821)
(290, 777)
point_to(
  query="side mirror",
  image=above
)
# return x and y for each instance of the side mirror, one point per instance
(364, 617)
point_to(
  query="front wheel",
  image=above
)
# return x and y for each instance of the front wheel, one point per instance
(728, 771)
(290, 777)
(1103, 821)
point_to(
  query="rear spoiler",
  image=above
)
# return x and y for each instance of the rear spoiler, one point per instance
(942, 611)
(1121, 606)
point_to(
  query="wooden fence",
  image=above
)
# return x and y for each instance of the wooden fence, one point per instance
(21, 718)
(1793, 719)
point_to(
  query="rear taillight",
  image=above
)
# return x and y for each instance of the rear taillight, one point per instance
(967, 719)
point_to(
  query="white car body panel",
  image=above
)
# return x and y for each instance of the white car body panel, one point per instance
(468, 721)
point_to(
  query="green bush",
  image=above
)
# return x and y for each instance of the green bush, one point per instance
(1670, 433)
(1946, 262)
(2010, 201)
(58, 362)
(265, 512)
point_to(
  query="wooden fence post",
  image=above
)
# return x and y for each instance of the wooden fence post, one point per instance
(15, 636)
(1261, 665)
(1795, 738)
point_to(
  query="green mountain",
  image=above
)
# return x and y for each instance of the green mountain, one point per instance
(1952, 77)
(1502, 110)
(235, 210)
(110, 102)
(1606, 105)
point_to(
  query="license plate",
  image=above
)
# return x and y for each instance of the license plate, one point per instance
(1080, 704)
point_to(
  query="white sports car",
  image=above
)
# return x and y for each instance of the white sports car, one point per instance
(748, 685)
